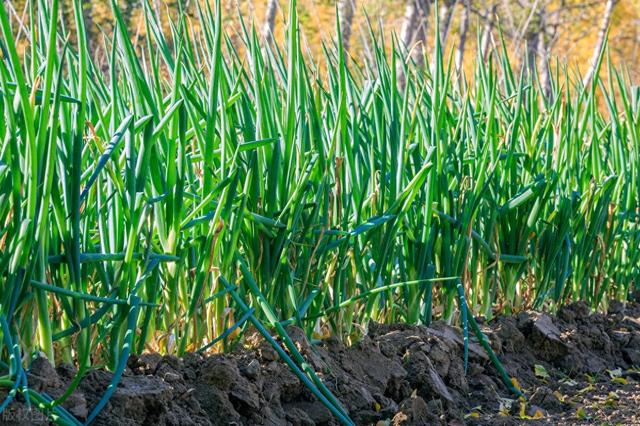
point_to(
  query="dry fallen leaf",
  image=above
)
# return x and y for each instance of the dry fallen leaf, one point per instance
(589, 388)
(620, 380)
(540, 371)
(538, 415)
(515, 383)
(582, 414)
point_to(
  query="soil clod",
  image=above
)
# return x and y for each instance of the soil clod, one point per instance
(573, 367)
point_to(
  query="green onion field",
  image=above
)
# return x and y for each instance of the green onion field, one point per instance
(194, 191)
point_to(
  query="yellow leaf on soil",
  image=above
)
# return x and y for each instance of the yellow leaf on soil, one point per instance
(587, 389)
(515, 383)
(560, 396)
(620, 380)
(581, 414)
(523, 410)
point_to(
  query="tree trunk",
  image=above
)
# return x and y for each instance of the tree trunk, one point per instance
(156, 8)
(464, 29)
(413, 34)
(488, 29)
(532, 41)
(420, 39)
(87, 13)
(270, 20)
(409, 23)
(446, 12)
(345, 14)
(543, 56)
(602, 34)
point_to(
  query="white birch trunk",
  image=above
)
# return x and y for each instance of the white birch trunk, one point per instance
(413, 34)
(446, 12)
(487, 32)
(543, 56)
(602, 34)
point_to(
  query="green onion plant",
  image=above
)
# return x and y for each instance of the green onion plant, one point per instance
(198, 184)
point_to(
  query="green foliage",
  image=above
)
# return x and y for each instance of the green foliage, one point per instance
(193, 190)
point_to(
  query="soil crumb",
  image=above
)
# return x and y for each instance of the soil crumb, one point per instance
(575, 368)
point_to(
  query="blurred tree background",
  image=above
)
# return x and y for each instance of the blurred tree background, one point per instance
(536, 31)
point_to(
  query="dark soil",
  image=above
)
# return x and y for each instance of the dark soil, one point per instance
(576, 368)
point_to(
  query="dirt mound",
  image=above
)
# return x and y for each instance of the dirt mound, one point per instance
(574, 368)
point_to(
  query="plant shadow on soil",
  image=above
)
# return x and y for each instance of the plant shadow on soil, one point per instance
(575, 368)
